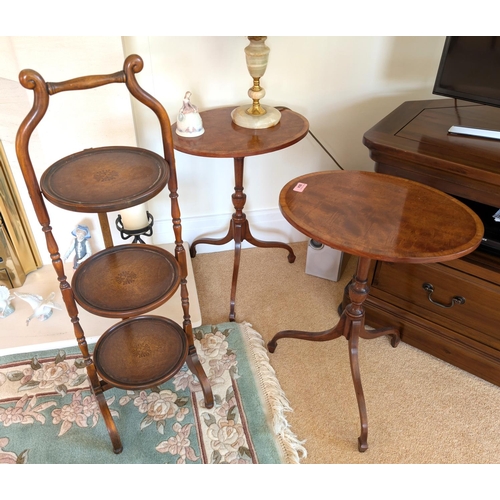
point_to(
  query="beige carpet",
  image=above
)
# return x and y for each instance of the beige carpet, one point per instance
(420, 409)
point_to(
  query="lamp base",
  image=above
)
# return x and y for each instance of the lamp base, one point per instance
(244, 119)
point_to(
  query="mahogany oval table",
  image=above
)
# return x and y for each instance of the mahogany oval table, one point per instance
(224, 139)
(374, 216)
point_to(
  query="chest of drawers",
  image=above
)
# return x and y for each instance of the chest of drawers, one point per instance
(425, 301)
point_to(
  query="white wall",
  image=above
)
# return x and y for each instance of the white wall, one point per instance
(342, 84)
(60, 132)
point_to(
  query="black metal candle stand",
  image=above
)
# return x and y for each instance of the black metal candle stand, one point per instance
(135, 233)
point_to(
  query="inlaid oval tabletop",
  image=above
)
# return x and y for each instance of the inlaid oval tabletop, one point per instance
(380, 216)
(105, 179)
(224, 139)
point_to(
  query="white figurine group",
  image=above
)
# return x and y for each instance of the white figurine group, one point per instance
(5, 300)
(42, 307)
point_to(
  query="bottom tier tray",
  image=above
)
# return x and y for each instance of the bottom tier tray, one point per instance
(126, 280)
(140, 352)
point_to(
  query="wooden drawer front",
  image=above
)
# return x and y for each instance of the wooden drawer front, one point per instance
(480, 311)
(466, 353)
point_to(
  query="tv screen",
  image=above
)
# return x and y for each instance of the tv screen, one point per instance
(470, 69)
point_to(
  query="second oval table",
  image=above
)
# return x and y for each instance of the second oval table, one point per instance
(374, 216)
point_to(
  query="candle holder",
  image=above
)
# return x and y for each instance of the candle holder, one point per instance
(136, 233)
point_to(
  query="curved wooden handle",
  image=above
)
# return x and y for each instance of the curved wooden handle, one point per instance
(85, 82)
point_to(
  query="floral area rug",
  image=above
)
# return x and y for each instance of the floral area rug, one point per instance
(48, 414)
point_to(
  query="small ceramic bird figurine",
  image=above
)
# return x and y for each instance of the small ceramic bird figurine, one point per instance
(42, 308)
(5, 298)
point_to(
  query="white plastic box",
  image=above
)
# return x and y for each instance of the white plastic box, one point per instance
(324, 262)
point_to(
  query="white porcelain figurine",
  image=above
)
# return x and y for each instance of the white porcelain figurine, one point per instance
(42, 308)
(189, 122)
(5, 298)
(79, 245)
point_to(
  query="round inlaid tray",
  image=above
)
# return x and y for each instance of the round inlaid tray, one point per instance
(141, 352)
(126, 280)
(105, 179)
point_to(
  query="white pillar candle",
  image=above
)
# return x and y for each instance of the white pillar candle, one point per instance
(135, 217)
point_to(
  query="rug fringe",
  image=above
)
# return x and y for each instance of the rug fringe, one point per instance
(275, 396)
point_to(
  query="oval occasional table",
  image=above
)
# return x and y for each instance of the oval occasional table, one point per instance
(225, 139)
(374, 216)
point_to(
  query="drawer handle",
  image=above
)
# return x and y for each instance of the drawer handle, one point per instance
(457, 299)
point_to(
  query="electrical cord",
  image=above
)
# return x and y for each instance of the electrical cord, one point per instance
(281, 108)
(326, 151)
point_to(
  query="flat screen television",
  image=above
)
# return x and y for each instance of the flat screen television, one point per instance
(470, 70)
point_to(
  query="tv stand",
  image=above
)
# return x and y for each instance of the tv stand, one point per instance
(477, 132)
(413, 142)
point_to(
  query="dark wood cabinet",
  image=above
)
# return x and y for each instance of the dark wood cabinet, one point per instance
(450, 310)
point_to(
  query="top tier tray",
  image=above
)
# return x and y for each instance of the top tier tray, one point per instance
(105, 179)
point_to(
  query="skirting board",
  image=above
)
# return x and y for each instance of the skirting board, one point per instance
(267, 225)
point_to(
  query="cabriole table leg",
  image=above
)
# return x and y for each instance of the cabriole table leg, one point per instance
(351, 325)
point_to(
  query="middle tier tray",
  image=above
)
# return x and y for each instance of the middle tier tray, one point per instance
(126, 280)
